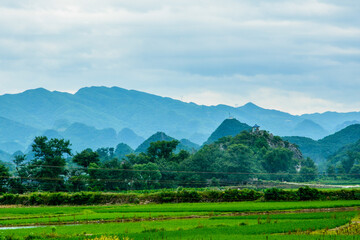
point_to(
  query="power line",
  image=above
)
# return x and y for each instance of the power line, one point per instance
(181, 171)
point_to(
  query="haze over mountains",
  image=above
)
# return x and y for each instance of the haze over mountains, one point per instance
(102, 117)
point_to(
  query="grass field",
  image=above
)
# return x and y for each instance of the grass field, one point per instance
(236, 220)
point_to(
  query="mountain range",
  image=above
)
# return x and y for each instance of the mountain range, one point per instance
(103, 117)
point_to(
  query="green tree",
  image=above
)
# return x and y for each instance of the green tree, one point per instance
(308, 170)
(48, 166)
(349, 161)
(19, 184)
(355, 171)
(4, 178)
(307, 174)
(340, 171)
(146, 176)
(238, 160)
(162, 149)
(86, 157)
(278, 160)
(331, 171)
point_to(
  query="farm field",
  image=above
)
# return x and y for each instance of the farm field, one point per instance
(236, 220)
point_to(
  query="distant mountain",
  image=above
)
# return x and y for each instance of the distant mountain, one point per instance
(310, 129)
(330, 120)
(11, 147)
(345, 124)
(4, 156)
(15, 132)
(50, 133)
(229, 127)
(27, 114)
(320, 150)
(82, 136)
(160, 136)
(188, 145)
(128, 136)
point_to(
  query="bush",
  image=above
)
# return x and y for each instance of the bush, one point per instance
(275, 194)
(306, 193)
(180, 195)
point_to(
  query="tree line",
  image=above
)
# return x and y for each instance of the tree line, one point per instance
(230, 161)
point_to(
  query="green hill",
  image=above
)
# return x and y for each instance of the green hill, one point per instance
(322, 149)
(229, 127)
(343, 153)
(249, 153)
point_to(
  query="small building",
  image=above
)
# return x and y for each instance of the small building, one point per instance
(255, 128)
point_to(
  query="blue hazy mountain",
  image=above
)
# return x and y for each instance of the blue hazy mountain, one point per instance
(4, 156)
(14, 135)
(115, 108)
(128, 136)
(312, 129)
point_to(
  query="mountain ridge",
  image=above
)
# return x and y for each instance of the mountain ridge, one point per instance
(145, 113)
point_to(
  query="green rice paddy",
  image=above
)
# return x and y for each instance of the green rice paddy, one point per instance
(236, 220)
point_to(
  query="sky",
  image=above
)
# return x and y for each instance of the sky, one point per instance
(298, 56)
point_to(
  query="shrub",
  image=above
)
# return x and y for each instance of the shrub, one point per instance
(306, 193)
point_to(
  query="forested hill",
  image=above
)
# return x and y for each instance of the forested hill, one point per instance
(229, 127)
(322, 149)
(34, 111)
(346, 157)
(251, 152)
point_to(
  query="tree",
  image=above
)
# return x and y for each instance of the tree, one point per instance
(307, 174)
(355, 172)
(237, 160)
(278, 160)
(48, 166)
(147, 176)
(308, 170)
(340, 170)
(86, 157)
(161, 149)
(105, 153)
(349, 161)
(4, 178)
(19, 184)
(331, 171)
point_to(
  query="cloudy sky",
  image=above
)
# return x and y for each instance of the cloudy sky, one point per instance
(299, 56)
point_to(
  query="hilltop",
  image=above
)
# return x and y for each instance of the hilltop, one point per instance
(229, 127)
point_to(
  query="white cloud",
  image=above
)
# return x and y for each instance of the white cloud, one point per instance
(208, 51)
